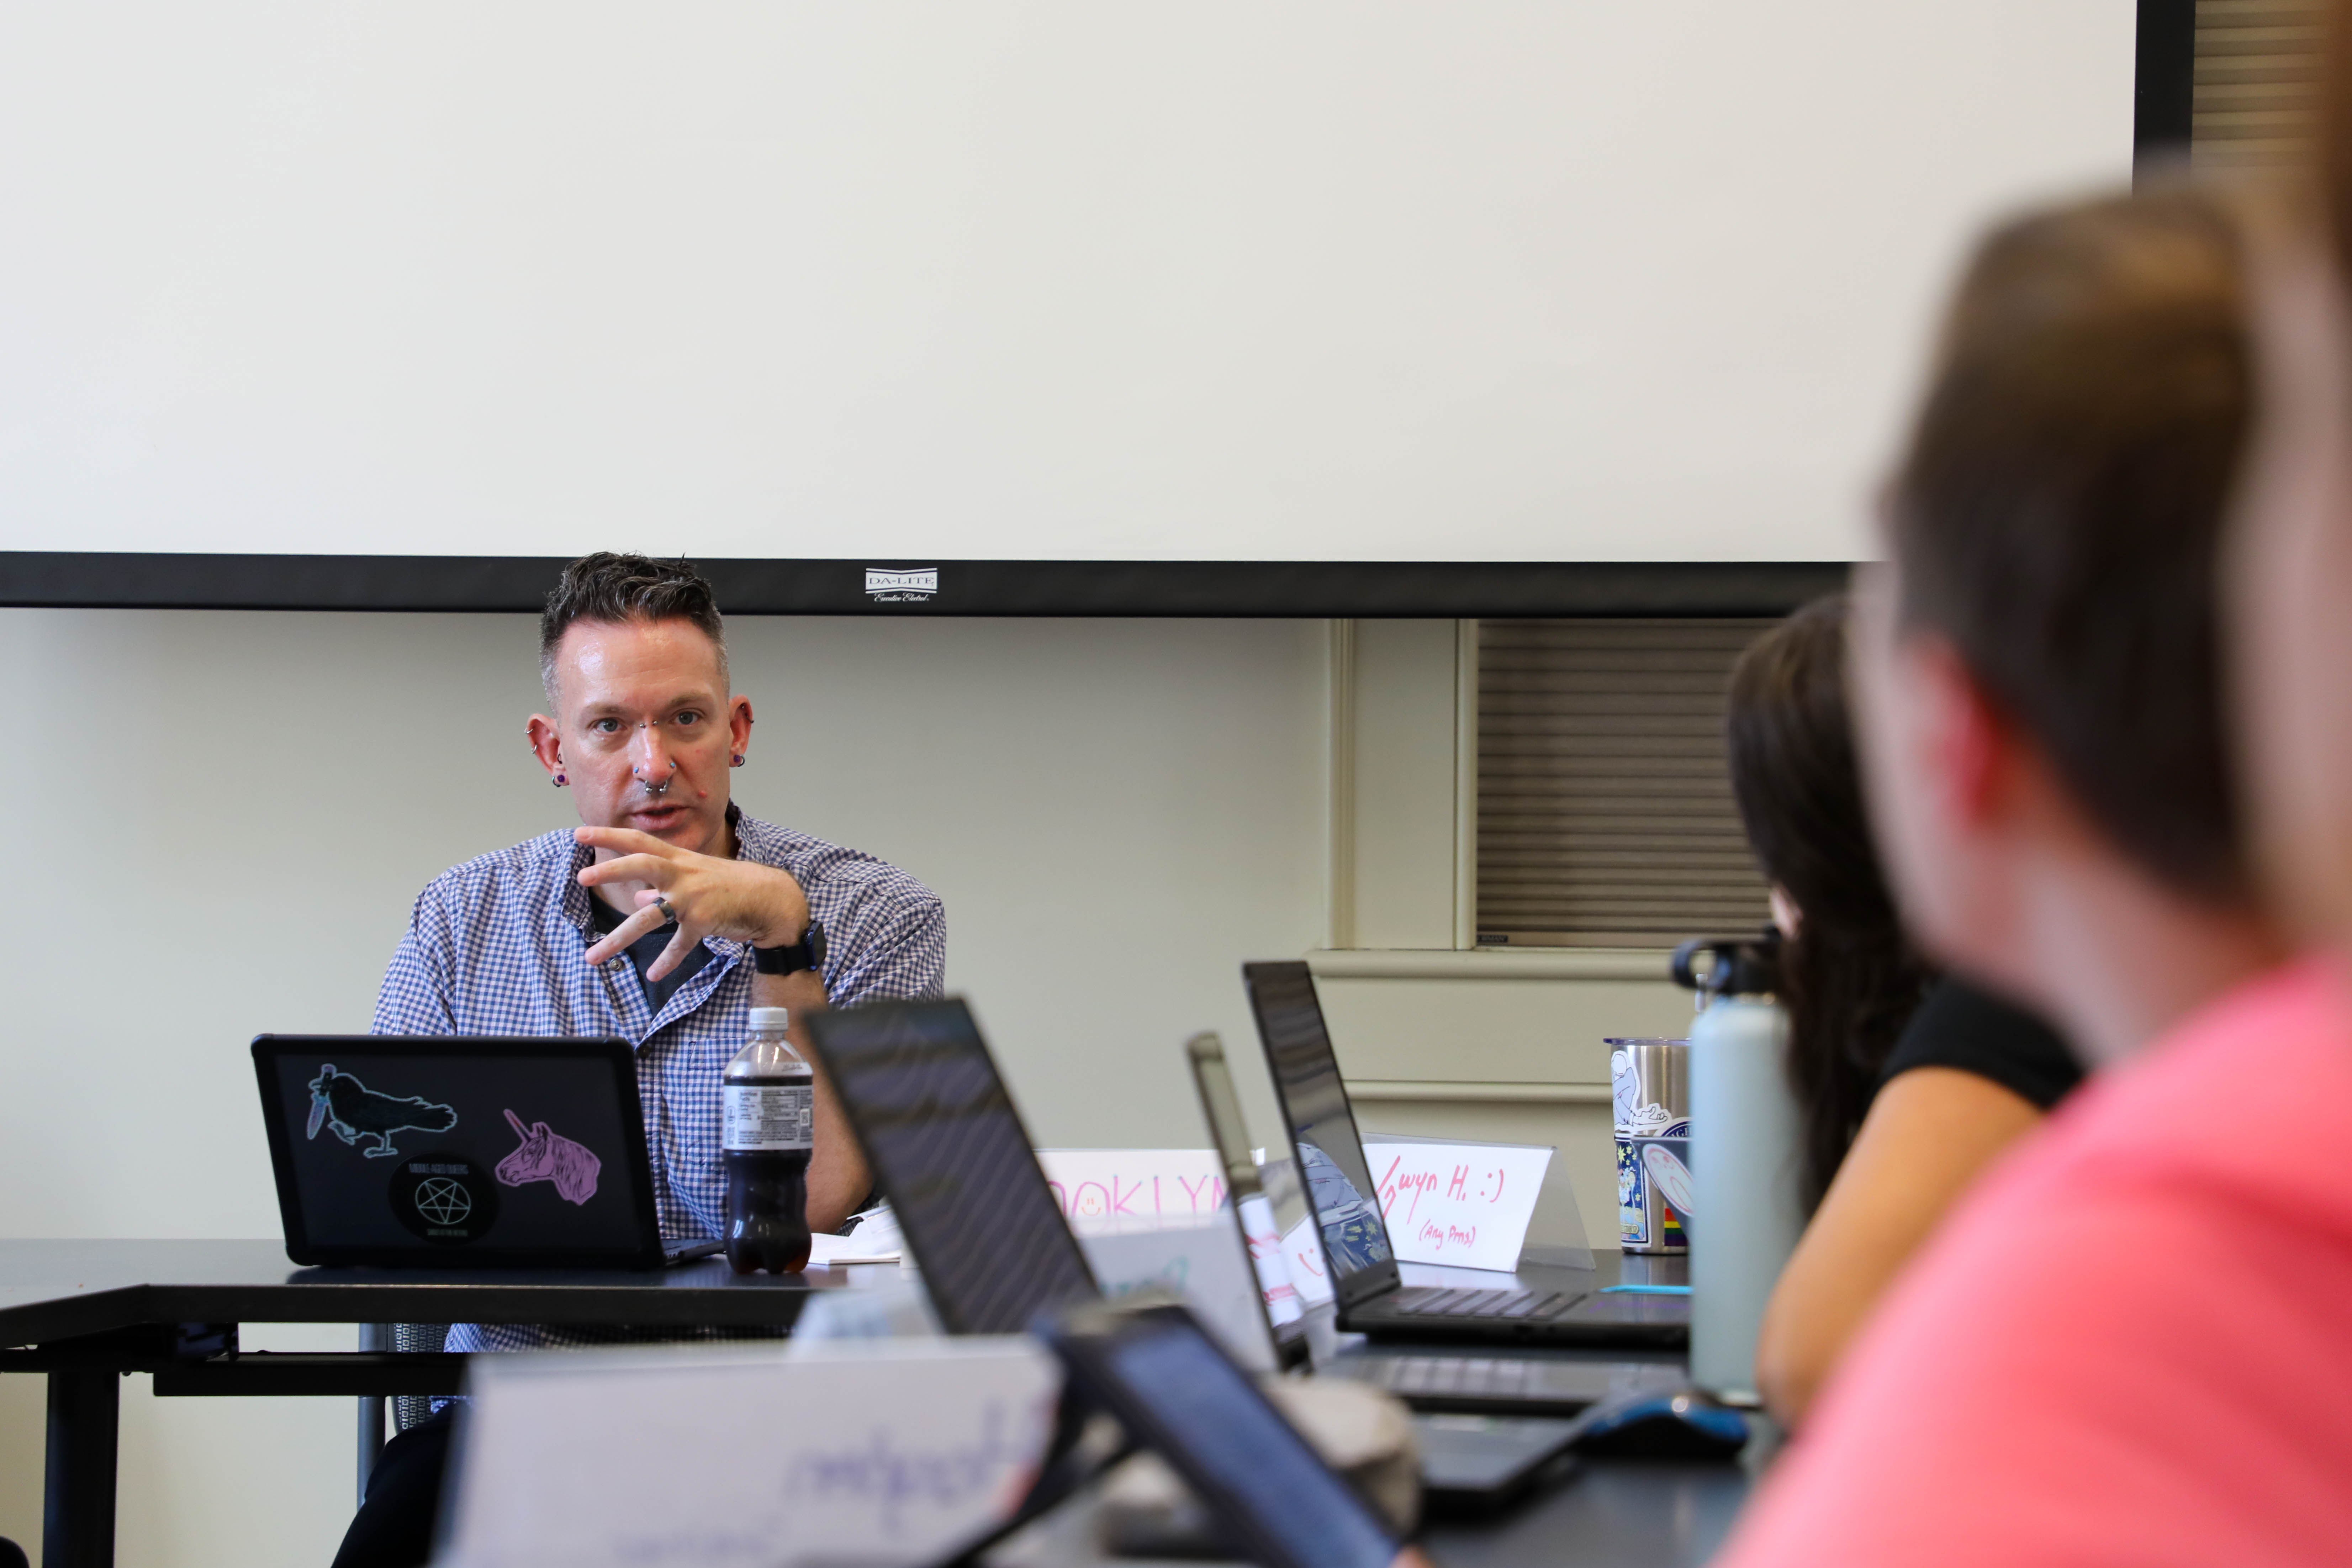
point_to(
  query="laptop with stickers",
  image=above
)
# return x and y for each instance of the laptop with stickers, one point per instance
(446, 1152)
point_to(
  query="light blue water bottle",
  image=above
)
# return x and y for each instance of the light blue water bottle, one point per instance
(1745, 1210)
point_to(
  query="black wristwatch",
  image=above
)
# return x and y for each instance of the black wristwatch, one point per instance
(806, 954)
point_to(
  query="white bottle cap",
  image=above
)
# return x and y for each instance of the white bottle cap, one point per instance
(770, 1020)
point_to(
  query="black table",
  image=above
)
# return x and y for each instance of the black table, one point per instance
(1614, 1513)
(86, 1312)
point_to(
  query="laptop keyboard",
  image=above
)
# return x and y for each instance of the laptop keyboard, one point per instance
(1520, 1306)
(1472, 1376)
(1442, 1381)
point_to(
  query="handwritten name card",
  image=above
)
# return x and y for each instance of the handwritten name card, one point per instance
(879, 1452)
(1152, 1185)
(1466, 1204)
(1206, 1263)
(1302, 1258)
(1263, 1239)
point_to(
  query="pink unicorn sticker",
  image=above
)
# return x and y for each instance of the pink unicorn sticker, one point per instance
(547, 1157)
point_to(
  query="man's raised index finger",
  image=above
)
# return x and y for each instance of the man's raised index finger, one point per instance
(627, 839)
(628, 868)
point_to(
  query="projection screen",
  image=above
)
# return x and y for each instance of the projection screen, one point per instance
(1292, 290)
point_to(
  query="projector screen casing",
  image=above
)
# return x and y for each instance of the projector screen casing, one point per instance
(61, 579)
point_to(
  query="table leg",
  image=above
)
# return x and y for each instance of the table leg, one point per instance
(372, 1337)
(77, 1513)
(370, 1439)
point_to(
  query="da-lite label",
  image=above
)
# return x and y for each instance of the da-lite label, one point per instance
(766, 1118)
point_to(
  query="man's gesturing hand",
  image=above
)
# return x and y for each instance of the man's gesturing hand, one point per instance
(736, 899)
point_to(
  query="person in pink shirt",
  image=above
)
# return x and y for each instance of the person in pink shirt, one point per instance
(2132, 1342)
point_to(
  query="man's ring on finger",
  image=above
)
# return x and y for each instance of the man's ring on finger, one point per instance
(669, 915)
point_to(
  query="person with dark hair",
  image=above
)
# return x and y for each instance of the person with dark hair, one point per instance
(1848, 976)
(2127, 1343)
(1904, 1101)
(662, 918)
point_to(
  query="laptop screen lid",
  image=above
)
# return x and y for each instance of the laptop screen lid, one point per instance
(946, 1144)
(1277, 1302)
(1331, 1165)
(452, 1151)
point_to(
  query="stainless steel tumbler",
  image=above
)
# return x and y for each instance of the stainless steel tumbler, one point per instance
(1649, 1083)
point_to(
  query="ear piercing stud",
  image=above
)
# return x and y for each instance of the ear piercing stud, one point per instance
(559, 781)
(736, 761)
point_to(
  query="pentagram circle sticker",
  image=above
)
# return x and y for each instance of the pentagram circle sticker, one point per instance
(444, 1198)
(443, 1201)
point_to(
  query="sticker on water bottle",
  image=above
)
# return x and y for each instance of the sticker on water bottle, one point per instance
(760, 1118)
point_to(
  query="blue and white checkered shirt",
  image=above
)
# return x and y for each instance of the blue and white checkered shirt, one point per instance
(496, 946)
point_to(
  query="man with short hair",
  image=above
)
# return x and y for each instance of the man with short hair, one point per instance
(2128, 1344)
(715, 911)
(662, 919)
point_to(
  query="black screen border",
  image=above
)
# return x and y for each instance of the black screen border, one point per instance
(66, 579)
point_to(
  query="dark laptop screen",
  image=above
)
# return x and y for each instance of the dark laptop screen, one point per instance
(444, 1150)
(1322, 1127)
(1242, 1452)
(947, 1146)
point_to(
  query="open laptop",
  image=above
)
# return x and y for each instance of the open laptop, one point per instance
(1371, 1297)
(446, 1152)
(923, 1095)
(1273, 1499)
(1280, 1306)
(1465, 1384)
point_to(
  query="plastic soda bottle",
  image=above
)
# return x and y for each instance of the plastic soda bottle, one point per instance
(769, 1105)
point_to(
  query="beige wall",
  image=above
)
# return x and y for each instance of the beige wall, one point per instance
(1434, 1040)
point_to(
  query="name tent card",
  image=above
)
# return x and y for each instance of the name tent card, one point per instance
(884, 1453)
(1463, 1204)
(1148, 1185)
(1262, 1234)
(1302, 1256)
(1205, 1262)
(1162, 1191)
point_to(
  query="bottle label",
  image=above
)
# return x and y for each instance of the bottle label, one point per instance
(766, 1118)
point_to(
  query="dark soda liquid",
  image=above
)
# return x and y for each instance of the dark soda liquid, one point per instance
(767, 1211)
(768, 1121)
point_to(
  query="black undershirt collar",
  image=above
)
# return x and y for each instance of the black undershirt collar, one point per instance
(647, 948)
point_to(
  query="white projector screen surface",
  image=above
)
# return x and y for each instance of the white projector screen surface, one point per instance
(1061, 281)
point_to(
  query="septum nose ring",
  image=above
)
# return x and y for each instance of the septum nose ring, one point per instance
(652, 788)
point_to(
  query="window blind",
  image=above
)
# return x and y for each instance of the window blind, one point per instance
(1605, 817)
(2255, 84)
